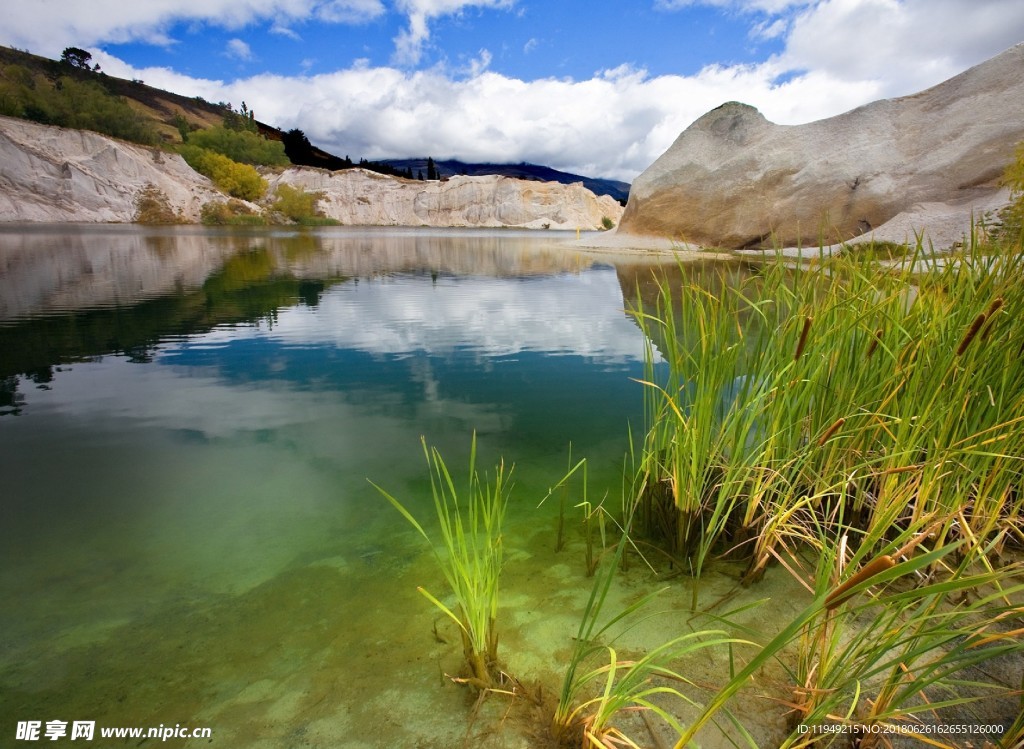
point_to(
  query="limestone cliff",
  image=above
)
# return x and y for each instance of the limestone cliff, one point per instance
(55, 174)
(734, 179)
(360, 197)
(52, 174)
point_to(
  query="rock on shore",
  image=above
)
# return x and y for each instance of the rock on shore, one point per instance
(733, 179)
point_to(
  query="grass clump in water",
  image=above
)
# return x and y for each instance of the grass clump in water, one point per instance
(894, 391)
(469, 554)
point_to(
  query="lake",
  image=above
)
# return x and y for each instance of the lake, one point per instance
(189, 421)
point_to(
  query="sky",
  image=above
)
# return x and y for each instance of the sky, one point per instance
(594, 87)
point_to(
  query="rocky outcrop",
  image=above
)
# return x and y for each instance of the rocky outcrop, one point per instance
(733, 179)
(54, 174)
(364, 198)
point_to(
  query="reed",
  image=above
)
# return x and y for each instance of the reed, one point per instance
(786, 390)
(596, 691)
(872, 649)
(469, 554)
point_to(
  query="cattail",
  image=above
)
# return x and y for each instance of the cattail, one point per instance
(831, 430)
(874, 343)
(972, 331)
(803, 337)
(875, 567)
(990, 313)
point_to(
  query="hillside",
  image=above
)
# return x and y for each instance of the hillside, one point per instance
(161, 115)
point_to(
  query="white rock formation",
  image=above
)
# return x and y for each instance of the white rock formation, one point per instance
(364, 198)
(54, 174)
(734, 179)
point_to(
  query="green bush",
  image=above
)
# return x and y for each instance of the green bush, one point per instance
(230, 213)
(237, 180)
(71, 102)
(240, 145)
(300, 206)
(1013, 178)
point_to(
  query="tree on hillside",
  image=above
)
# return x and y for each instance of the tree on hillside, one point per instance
(297, 146)
(76, 57)
(431, 169)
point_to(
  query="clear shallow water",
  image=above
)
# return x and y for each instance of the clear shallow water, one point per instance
(189, 422)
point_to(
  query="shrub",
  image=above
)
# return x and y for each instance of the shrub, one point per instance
(1013, 178)
(300, 206)
(69, 102)
(607, 223)
(230, 213)
(153, 207)
(240, 145)
(237, 180)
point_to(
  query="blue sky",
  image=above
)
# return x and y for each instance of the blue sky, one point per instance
(600, 88)
(528, 41)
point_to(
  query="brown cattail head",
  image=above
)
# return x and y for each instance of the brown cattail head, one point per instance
(803, 337)
(971, 333)
(875, 340)
(876, 566)
(831, 430)
(994, 307)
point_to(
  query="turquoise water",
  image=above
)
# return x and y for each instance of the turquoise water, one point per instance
(189, 419)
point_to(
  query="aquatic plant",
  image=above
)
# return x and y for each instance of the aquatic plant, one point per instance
(469, 554)
(887, 637)
(595, 690)
(874, 384)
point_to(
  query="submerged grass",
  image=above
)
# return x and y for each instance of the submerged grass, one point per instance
(858, 422)
(469, 554)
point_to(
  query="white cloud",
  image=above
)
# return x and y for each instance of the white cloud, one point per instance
(620, 120)
(769, 29)
(906, 45)
(239, 50)
(48, 27)
(410, 42)
(287, 31)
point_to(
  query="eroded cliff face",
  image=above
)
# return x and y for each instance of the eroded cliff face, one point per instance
(733, 179)
(364, 198)
(51, 174)
(55, 174)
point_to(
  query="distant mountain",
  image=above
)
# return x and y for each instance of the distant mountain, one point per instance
(614, 188)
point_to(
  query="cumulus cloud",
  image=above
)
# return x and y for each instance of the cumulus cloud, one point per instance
(48, 27)
(617, 122)
(410, 41)
(905, 44)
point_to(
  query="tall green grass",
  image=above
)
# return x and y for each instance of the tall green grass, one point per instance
(469, 554)
(859, 421)
(853, 380)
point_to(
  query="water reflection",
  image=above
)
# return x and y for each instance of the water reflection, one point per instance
(187, 527)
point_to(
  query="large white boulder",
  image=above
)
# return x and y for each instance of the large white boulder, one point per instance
(733, 179)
